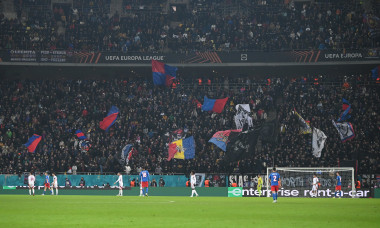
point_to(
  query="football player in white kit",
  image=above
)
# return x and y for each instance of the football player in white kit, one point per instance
(31, 180)
(193, 181)
(315, 186)
(55, 184)
(120, 180)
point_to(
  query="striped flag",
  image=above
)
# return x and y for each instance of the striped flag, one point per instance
(33, 142)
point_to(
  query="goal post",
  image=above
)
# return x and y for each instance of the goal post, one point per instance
(297, 181)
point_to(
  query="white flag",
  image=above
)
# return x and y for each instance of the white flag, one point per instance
(242, 116)
(319, 139)
(244, 107)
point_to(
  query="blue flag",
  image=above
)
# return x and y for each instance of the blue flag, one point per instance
(110, 119)
(189, 147)
(163, 74)
(344, 116)
(33, 142)
(215, 105)
(80, 134)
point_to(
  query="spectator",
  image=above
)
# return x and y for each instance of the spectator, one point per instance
(74, 168)
(127, 169)
(67, 182)
(161, 182)
(207, 183)
(158, 170)
(82, 182)
(274, 26)
(133, 183)
(153, 183)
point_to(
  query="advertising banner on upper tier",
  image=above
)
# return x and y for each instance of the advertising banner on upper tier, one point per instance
(211, 57)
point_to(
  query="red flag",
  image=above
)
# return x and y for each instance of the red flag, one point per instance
(33, 142)
(219, 105)
(110, 119)
(172, 151)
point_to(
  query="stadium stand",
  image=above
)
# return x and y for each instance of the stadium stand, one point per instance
(220, 25)
(149, 117)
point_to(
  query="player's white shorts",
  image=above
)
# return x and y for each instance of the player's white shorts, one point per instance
(31, 184)
(315, 187)
(192, 186)
(54, 185)
(121, 185)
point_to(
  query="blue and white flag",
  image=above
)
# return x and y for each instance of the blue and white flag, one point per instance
(345, 130)
(126, 153)
(84, 146)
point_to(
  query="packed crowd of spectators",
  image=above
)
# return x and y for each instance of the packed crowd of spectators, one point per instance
(215, 25)
(151, 117)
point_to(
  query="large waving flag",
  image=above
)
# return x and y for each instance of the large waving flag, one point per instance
(222, 138)
(318, 142)
(163, 74)
(215, 105)
(304, 126)
(80, 135)
(243, 144)
(182, 149)
(33, 142)
(345, 130)
(110, 119)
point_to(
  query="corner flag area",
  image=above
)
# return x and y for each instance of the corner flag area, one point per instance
(113, 211)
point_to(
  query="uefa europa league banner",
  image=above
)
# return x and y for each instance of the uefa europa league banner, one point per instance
(97, 57)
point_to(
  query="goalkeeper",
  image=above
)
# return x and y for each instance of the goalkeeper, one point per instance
(259, 184)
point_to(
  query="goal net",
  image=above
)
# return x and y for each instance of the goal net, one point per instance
(298, 182)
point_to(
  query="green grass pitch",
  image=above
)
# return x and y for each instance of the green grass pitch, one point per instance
(160, 211)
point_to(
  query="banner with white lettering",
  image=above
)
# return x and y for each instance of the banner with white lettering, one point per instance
(84, 57)
(294, 186)
(294, 192)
